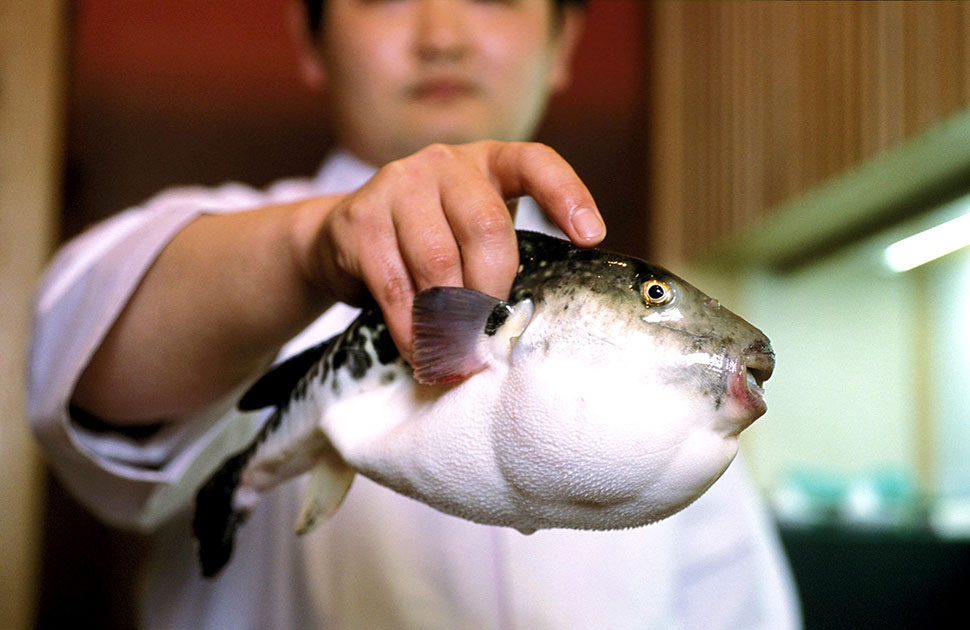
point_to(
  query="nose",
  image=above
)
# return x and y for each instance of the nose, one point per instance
(759, 358)
(440, 32)
(761, 346)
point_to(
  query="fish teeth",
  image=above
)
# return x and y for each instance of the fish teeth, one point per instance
(752, 383)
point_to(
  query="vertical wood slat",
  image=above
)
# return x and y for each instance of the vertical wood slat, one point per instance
(754, 103)
(666, 135)
(31, 91)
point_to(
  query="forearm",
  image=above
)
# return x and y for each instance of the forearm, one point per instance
(212, 311)
(229, 290)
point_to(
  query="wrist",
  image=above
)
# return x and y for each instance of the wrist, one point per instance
(310, 251)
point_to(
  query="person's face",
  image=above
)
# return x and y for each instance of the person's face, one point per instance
(402, 74)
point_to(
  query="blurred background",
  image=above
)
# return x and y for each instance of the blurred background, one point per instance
(770, 152)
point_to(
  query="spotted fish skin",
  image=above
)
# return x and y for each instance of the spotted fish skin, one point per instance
(289, 443)
(584, 401)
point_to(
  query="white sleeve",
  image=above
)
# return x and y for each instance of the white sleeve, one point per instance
(732, 569)
(127, 479)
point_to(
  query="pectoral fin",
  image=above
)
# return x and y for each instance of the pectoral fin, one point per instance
(329, 482)
(456, 330)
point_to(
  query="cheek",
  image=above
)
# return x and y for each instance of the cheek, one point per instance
(365, 61)
(522, 80)
(515, 58)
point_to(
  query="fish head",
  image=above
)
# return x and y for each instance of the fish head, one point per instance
(720, 355)
(668, 328)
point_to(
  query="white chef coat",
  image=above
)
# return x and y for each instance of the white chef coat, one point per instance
(383, 561)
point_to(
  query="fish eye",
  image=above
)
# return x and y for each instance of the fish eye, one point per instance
(656, 292)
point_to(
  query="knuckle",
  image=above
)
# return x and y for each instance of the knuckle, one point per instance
(408, 173)
(394, 291)
(392, 169)
(353, 212)
(490, 222)
(437, 151)
(440, 262)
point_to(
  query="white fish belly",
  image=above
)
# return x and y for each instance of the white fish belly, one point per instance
(552, 441)
(590, 444)
(431, 443)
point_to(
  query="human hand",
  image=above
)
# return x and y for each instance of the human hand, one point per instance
(439, 218)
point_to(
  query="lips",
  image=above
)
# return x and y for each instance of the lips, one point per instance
(442, 88)
(746, 380)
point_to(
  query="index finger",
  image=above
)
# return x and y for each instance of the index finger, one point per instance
(529, 168)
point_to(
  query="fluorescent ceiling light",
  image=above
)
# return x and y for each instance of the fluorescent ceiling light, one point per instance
(929, 245)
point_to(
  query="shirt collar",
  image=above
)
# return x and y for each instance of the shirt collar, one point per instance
(342, 172)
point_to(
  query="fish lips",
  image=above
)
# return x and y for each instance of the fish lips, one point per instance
(746, 378)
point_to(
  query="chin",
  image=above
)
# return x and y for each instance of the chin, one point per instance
(448, 128)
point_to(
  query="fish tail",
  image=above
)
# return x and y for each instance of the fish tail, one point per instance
(216, 517)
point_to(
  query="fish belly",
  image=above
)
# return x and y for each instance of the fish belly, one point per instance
(429, 442)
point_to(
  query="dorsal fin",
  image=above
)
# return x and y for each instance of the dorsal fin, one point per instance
(275, 386)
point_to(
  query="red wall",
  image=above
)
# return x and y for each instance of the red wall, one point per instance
(186, 91)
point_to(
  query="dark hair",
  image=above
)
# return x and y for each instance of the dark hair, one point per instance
(314, 11)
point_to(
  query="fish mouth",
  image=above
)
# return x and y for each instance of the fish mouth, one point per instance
(747, 379)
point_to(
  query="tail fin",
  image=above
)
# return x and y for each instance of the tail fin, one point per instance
(216, 520)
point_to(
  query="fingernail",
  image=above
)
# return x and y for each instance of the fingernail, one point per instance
(588, 224)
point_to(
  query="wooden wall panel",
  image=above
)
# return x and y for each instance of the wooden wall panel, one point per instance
(754, 103)
(31, 138)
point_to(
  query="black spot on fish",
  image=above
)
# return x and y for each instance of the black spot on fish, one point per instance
(496, 318)
(697, 343)
(760, 346)
(318, 371)
(388, 377)
(339, 358)
(359, 363)
(353, 357)
(384, 346)
(519, 294)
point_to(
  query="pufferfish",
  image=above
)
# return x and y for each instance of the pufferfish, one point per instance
(605, 393)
